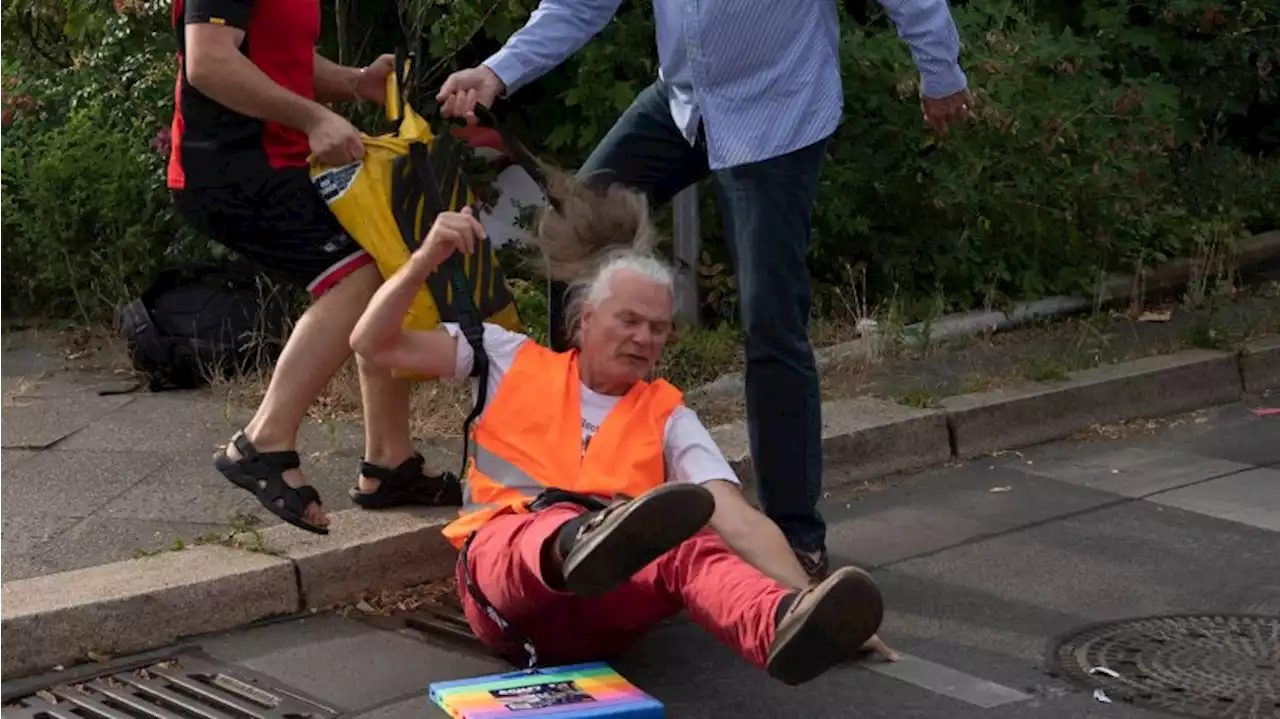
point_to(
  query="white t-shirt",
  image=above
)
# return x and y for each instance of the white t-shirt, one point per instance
(691, 455)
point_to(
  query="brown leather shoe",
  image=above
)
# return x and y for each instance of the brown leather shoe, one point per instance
(601, 550)
(825, 625)
(816, 565)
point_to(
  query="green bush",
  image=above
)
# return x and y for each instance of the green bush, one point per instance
(86, 216)
(1107, 135)
(1063, 172)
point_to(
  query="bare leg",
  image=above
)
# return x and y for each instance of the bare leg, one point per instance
(386, 419)
(316, 349)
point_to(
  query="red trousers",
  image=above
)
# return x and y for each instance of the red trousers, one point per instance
(722, 593)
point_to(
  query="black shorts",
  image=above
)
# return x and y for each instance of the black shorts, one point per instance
(276, 219)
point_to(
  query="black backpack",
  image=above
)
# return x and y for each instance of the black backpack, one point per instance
(203, 320)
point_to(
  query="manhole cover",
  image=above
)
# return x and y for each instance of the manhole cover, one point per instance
(1203, 666)
(183, 687)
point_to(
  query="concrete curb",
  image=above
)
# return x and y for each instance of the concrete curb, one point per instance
(148, 603)
(1150, 387)
(139, 604)
(1260, 365)
(873, 436)
(364, 550)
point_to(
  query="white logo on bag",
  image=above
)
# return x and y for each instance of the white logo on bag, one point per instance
(333, 184)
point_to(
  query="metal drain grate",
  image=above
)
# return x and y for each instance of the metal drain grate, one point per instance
(1215, 666)
(183, 687)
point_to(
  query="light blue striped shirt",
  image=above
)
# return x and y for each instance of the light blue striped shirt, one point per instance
(763, 76)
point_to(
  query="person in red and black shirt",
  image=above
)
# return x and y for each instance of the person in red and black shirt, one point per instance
(248, 115)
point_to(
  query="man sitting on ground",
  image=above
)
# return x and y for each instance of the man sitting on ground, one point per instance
(547, 564)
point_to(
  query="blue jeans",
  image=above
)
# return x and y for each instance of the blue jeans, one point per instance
(766, 208)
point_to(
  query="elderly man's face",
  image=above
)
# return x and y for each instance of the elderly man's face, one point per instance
(623, 337)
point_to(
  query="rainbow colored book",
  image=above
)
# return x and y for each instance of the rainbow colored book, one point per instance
(576, 690)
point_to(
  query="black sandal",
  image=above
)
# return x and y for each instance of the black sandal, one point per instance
(262, 475)
(407, 485)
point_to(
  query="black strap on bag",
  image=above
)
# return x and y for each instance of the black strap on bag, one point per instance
(518, 151)
(464, 304)
(477, 596)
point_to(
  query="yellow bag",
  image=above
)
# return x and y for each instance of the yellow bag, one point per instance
(388, 201)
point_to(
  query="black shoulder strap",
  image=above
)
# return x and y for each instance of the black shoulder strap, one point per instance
(469, 319)
(464, 303)
(518, 151)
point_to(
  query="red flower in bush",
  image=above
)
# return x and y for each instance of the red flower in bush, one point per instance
(1212, 19)
(163, 141)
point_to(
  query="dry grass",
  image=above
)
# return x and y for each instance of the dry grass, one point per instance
(436, 408)
(1137, 427)
(401, 601)
(13, 397)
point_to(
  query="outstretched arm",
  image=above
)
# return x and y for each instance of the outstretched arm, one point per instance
(762, 545)
(752, 536)
(556, 30)
(336, 82)
(930, 32)
(380, 336)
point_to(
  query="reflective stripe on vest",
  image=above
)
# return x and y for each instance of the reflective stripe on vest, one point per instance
(502, 472)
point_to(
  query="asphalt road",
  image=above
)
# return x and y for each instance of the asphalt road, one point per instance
(984, 567)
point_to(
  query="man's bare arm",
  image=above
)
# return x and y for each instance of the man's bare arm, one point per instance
(334, 82)
(762, 545)
(379, 336)
(216, 67)
(753, 536)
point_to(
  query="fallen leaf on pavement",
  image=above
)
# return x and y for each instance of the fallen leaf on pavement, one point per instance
(1160, 316)
(998, 490)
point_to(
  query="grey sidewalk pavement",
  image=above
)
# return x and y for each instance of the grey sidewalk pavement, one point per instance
(91, 479)
(983, 564)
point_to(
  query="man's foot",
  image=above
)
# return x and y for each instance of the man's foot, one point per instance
(601, 550)
(824, 625)
(406, 484)
(816, 564)
(275, 479)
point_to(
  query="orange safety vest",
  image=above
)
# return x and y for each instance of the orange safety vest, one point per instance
(530, 439)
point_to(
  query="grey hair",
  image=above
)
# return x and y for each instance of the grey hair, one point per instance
(588, 292)
(595, 230)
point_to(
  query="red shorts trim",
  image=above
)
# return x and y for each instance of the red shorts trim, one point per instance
(339, 271)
